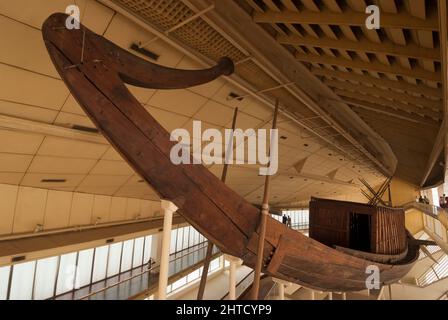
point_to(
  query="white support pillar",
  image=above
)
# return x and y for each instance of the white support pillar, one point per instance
(313, 295)
(344, 296)
(234, 262)
(281, 284)
(330, 295)
(168, 210)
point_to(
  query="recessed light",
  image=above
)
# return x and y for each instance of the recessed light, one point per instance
(53, 180)
(330, 154)
(151, 55)
(85, 128)
(306, 145)
(234, 96)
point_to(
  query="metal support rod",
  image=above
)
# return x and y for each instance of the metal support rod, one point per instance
(390, 195)
(209, 253)
(265, 90)
(381, 194)
(377, 197)
(263, 221)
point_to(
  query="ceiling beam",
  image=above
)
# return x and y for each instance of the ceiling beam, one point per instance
(356, 63)
(18, 124)
(384, 102)
(401, 97)
(390, 112)
(348, 18)
(363, 45)
(400, 85)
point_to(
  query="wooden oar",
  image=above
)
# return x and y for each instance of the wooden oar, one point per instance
(263, 220)
(208, 255)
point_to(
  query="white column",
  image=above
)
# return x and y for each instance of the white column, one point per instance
(330, 295)
(281, 284)
(313, 295)
(168, 209)
(344, 296)
(234, 262)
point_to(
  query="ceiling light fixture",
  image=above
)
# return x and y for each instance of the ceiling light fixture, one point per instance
(53, 180)
(151, 55)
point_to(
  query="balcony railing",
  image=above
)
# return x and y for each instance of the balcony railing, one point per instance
(137, 280)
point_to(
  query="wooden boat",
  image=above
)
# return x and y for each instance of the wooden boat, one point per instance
(95, 70)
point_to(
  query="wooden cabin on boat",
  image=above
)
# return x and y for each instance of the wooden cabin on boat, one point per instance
(362, 227)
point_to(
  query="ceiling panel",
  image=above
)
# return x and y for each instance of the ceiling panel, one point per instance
(70, 148)
(58, 165)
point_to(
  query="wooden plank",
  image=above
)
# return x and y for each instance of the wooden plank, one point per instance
(348, 18)
(416, 72)
(399, 85)
(386, 47)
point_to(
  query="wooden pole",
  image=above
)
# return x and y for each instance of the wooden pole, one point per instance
(209, 253)
(390, 195)
(263, 221)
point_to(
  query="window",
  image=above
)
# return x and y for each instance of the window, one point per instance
(173, 241)
(214, 265)
(126, 256)
(180, 237)
(66, 274)
(22, 281)
(138, 252)
(147, 249)
(4, 280)
(185, 242)
(113, 264)
(100, 264)
(46, 271)
(84, 270)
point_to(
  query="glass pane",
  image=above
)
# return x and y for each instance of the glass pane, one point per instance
(198, 237)
(191, 237)
(113, 265)
(66, 274)
(148, 246)
(138, 253)
(179, 283)
(4, 279)
(100, 264)
(84, 271)
(126, 258)
(173, 241)
(214, 265)
(180, 237)
(46, 271)
(186, 237)
(22, 281)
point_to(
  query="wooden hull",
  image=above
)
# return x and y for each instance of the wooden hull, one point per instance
(219, 213)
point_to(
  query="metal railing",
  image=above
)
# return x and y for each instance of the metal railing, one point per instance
(426, 208)
(187, 258)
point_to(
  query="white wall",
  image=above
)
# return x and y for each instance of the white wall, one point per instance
(22, 208)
